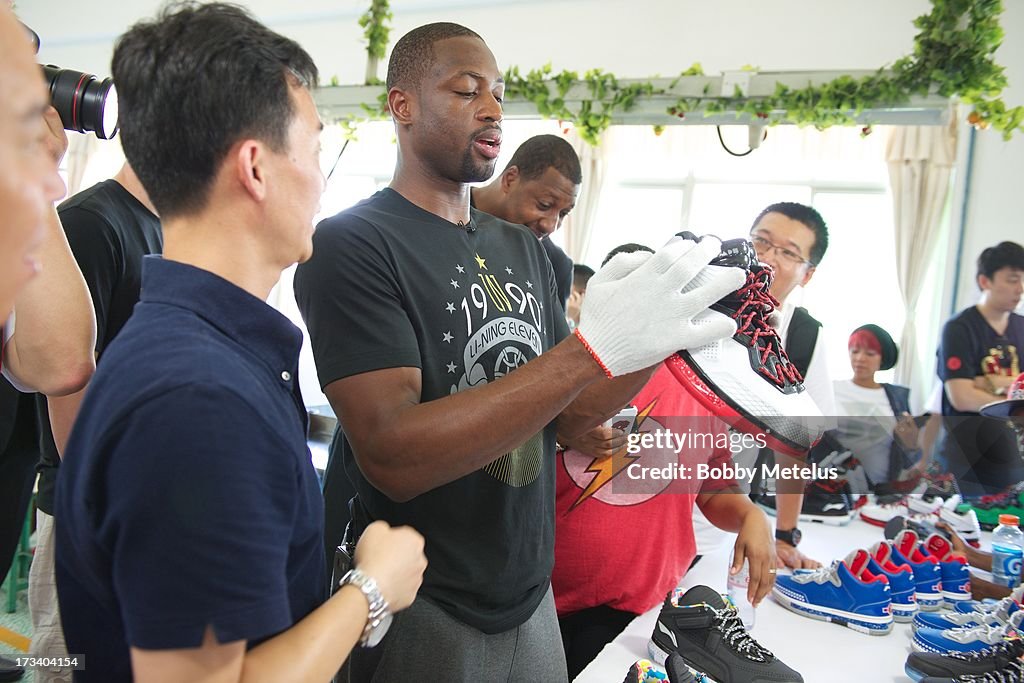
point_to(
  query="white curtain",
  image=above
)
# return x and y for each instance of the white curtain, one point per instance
(579, 225)
(80, 150)
(920, 160)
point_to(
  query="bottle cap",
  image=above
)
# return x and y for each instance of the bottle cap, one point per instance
(1009, 520)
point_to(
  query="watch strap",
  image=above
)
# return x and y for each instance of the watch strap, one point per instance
(790, 536)
(378, 606)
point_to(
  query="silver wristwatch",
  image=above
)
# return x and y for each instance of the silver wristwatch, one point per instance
(379, 618)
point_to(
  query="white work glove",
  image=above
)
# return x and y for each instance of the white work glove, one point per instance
(636, 313)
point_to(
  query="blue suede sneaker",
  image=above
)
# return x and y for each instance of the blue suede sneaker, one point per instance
(966, 639)
(956, 577)
(901, 585)
(847, 593)
(905, 549)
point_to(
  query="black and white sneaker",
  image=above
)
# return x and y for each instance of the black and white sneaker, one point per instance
(826, 502)
(747, 380)
(951, 665)
(1011, 673)
(709, 637)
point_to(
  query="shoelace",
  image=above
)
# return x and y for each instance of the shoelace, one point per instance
(819, 575)
(1012, 646)
(752, 319)
(1013, 673)
(728, 623)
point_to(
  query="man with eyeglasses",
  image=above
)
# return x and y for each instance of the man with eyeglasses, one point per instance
(792, 239)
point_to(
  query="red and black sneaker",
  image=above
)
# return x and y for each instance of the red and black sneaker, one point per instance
(747, 380)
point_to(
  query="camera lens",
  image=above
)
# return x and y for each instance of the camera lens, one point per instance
(84, 103)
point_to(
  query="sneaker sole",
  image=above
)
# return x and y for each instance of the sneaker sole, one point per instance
(837, 520)
(856, 622)
(874, 521)
(903, 614)
(929, 602)
(951, 600)
(699, 387)
(659, 656)
(913, 673)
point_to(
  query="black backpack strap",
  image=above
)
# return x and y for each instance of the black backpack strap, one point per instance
(801, 338)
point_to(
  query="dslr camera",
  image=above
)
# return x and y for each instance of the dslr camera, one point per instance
(85, 104)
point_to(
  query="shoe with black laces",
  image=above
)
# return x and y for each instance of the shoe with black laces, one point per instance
(709, 637)
(1013, 672)
(951, 665)
(747, 380)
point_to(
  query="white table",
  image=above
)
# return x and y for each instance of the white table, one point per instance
(822, 652)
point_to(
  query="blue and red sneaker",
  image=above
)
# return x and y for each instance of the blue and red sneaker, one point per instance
(905, 549)
(847, 593)
(901, 587)
(956, 577)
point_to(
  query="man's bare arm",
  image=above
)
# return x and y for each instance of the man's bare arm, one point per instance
(52, 350)
(966, 396)
(405, 447)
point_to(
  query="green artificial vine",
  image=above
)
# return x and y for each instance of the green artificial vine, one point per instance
(377, 32)
(953, 56)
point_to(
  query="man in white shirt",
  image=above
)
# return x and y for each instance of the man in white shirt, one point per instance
(792, 239)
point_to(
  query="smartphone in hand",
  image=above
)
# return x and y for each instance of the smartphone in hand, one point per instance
(623, 420)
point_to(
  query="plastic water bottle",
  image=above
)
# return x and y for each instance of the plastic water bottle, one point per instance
(737, 589)
(1007, 551)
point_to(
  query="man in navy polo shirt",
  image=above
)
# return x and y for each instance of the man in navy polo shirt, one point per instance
(188, 543)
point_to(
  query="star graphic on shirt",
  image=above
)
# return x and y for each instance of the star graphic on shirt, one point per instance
(508, 270)
(480, 262)
(447, 337)
(451, 368)
(450, 307)
(460, 269)
(529, 284)
(455, 284)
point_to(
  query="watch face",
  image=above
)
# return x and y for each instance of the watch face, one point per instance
(796, 536)
(377, 634)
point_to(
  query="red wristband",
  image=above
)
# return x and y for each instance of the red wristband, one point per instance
(593, 355)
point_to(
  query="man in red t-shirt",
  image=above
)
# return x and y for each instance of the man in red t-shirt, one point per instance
(624, 539)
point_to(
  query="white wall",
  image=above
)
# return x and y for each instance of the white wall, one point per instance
(630, 38)
(995, 196)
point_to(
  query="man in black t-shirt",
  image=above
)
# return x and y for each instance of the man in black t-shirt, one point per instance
(979, 356)
(443, 349)
(111, 226)
(538, 189)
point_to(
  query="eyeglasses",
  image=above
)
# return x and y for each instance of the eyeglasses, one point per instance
(763, 246)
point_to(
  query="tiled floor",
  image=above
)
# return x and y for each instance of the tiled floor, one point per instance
(15, 627)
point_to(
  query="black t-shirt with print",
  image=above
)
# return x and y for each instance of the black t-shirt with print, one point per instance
(981, 452)
(970, 347)
(392, 285)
